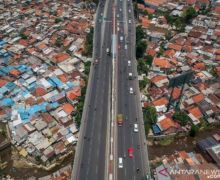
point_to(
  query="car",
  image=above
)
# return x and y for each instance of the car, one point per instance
(96, 61)
(121, 38)
(118, 28)
(120, 9)
(129, 21)
(131, 91)
(129, 63)
(129, 10)
(117, 15)
(130, 76)
(135, 127)
(126, 47)
(108, 51)
(120, 162)
(130, 152)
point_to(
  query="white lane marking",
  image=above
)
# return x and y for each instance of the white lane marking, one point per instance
(96, 170)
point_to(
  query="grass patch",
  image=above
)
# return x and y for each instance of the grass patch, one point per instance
(166, 141)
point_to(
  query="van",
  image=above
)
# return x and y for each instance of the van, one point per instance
(120, 162)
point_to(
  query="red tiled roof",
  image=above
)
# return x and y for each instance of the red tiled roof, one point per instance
(217, 51)
(31, 50)
(195, 111)
(199, 65)
(157, 78)
(169, 53)
(61, 57)
(176, 92)
(14, 72)
(217, 10)
(156, 2)
(2, 82)
(151, 52)
(183, 154)
(143, 8)
(160, 102)
(175, 47)
(190, 2)
(74, 93)
(145, 22)
(42, 46)
(63, 78)
(217, 70)
(23, 42)
(198, 98)
(39, 91)
(161, 62)
(167, 123)
(217, 58)
(68, 108)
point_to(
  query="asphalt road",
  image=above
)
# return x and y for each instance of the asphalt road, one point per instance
(129, 104)
(91, 159)
(91, 149)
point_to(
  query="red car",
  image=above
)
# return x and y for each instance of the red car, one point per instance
(130, 152)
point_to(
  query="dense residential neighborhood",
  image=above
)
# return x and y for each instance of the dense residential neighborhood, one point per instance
(43, 76)
(46, 49)
(180, 80)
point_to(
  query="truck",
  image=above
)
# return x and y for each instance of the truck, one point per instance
(120, 119)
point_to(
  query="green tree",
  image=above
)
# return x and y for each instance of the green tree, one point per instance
(149, 59)
(58, 42)
(140, 35)
(57, 20)
(87, 67)
(143, 83)
(88, 48)
(23, 36)
(150, 114)
(142, 67)
(140, 49)
(181, 117)
(189, 14)
(38, 158)
(193, 131)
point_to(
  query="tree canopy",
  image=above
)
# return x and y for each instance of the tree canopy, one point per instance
(181, 117)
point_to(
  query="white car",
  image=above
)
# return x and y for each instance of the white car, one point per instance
(120, 162)
(129, 10)
(129, 21)
(126, 47)
(120, 9)
(130, 76)
(131, 91)
(118, 15)
(135, 127)
(121, 38)
(129, 63)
